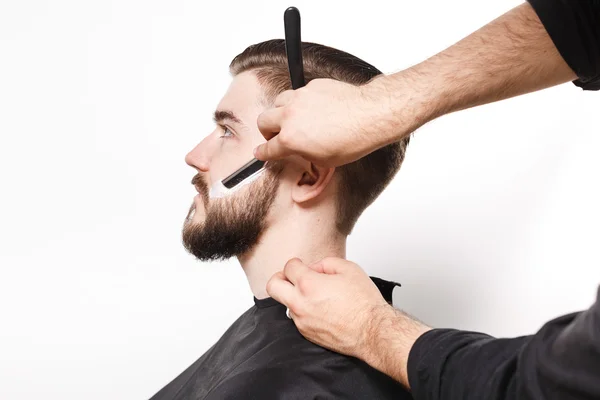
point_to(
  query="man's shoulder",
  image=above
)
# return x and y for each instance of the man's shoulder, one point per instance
(386, 288)
(316, 374)
(300, 363)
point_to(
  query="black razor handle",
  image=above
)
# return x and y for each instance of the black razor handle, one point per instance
(293, 49)
(293, 46)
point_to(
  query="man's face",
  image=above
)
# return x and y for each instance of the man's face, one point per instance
(220, 228)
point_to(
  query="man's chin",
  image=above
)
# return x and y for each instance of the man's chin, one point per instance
(195, 220)
(196, 215)
(218, 230)
(206, 246)
(190, 225)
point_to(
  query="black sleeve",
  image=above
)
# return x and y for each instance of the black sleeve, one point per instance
(561, 361)
(574, 27)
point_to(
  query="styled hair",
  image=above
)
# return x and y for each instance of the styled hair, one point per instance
(359, 182)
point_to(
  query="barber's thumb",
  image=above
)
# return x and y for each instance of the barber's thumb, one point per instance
(334, 266)
(330, 265)
(270, 150)
(261, 152)
(317, 267)
(279, 288)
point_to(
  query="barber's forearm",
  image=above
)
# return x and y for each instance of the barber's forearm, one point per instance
(390, 336)
(510, 56)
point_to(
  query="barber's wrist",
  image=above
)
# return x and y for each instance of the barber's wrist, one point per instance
(405, 101)
(370, 347)
(389, 337)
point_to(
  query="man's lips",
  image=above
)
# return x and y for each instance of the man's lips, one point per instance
(200, 185)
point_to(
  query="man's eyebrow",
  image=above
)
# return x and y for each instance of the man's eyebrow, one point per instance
(221, 116)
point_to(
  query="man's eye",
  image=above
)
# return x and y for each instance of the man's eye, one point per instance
(226, 133)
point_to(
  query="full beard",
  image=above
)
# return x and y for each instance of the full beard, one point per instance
(232, 225)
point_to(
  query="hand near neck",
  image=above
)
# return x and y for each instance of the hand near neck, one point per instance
(301, 238)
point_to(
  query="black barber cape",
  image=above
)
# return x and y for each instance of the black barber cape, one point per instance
(263, 356)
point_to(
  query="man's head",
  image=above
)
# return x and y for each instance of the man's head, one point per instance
(220, 228)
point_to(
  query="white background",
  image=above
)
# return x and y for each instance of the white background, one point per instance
(492, 223)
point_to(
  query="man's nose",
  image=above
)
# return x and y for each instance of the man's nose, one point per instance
(199, 157)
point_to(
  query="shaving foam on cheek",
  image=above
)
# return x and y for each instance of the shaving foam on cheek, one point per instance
(218, 190)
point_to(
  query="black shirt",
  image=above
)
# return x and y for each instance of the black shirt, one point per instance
(561, 361)
(262, 356)
(574, 27)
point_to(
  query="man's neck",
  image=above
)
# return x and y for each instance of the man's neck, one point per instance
(280, 244)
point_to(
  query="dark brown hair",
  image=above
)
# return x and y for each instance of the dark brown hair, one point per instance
(360, 182)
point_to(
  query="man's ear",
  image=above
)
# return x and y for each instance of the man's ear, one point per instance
(312, 182)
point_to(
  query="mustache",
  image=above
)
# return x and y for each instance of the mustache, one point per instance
(201, 186)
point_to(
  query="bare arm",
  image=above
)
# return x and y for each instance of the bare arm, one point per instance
(392, 333)
(510, 56)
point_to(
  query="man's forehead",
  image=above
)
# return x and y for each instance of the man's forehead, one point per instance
(244, 97)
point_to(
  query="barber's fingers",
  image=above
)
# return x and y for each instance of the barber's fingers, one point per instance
(333, 265)
(279, 288)
(272, 150)
(269, 122)
(295, 269)
(317, 267)
(284, 98)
